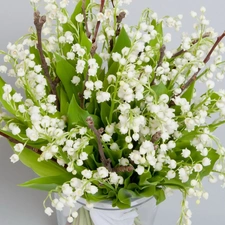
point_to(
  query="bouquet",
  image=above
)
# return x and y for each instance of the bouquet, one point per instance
(103, 111)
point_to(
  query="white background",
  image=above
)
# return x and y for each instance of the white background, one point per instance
(20, 206)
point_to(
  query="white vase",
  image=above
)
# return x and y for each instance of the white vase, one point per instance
(142, 212)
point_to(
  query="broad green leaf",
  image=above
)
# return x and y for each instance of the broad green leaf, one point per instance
(77, 116)
(157, 178)
(98, 59)
(77, 10)
(96, 197)
(148, 191)
(188, 94)
(7, 106)
(159, 195)
(159, 37)
(65, 71)
(132, 186)
(64, 104)
(125, 196)
(105, 109)
(85, 42)
(127, 177)
(160, 89)
(121, 205)
(43, 168)
(122, 41)
(37, 58)
(213, 156)
(144, 179)
(47, 183)
(113, 68)
(36, 144)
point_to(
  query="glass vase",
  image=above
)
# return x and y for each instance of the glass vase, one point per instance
(142, 212)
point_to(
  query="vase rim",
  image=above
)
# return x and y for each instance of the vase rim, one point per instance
(107, 205)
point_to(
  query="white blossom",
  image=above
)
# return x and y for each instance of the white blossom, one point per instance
(48, 211)
(79, 18)
(14, 158)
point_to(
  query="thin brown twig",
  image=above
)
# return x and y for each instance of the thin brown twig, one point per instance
(119, 19)
(92, 52)
(194, 76)
(88, 33)
(105, 162)
(112, 1)
(39, 21)
(120, 169)
(207, 58)
(156, 137)
(94, 44)
(162, 54)
(193, 42)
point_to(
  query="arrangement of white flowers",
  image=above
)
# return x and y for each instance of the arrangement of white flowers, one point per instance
(103, 111)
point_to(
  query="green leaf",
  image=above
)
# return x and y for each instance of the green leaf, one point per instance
(148, 191)
(159, 37)
(160, 89)
(43, 168)
(37, 58)
(159, 195)
(105, 109)
(36, 144)
(188, 94)
(65, 71)
(64, 104)
(77, 116)
(99, 196)
(144, 179)
(121, 205)
(6, 105)
(47, 183)
(125, 196)
(113, 68)
(156, 179)
(127, 177)
(122, 41)
(213, 156)
(132, 186)
(77, 10)
(85, 42)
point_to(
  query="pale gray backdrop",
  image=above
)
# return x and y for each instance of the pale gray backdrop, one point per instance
(20, 206)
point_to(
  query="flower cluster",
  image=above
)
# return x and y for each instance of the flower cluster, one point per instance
(107, 109)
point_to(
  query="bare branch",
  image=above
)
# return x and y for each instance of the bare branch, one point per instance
(88, 33)
(156, 137)
(162, 54)
(94, 44)
(193, 42)
(106, 162)
(207, 58)
(120, 169)
(194, 76)
(112, 1)
(39, 21)
(119, 19)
